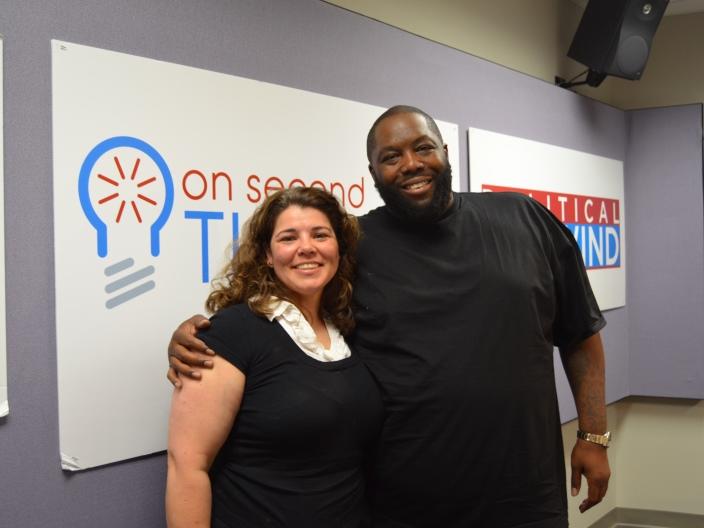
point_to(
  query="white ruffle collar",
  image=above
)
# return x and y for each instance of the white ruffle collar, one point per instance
(294, 322)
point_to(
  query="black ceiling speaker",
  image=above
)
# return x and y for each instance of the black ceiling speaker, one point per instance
(615, 36)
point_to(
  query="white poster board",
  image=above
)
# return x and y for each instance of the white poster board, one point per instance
(4, 404)
(156, 167)
(583, 190)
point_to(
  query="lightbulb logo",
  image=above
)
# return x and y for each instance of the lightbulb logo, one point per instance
(125, 181)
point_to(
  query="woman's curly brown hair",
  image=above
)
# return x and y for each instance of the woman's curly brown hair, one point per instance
(248, 278)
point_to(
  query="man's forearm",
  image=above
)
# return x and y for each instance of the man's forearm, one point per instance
(584, 366)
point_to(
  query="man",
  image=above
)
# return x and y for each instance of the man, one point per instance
(459, 301)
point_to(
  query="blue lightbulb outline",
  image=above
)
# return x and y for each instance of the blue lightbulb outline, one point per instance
(84, 197)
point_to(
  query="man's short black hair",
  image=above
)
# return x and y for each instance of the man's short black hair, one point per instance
(399, 109)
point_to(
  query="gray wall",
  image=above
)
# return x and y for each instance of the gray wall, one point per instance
(665, 249)
(299, 43)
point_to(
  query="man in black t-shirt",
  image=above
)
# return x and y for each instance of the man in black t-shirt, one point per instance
(459, 301)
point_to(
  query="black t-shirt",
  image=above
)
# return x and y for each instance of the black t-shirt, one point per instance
(457, 322)
(295, 453)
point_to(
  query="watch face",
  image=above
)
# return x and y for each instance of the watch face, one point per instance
(598, 439)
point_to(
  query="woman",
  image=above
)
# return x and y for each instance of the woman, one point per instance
(288, 409)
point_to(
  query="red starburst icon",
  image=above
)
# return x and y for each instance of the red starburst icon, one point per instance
(128, 190)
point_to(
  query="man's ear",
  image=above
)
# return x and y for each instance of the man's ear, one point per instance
(371, 171)
(444, 147)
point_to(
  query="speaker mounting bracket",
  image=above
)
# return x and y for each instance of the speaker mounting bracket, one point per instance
(593, 79)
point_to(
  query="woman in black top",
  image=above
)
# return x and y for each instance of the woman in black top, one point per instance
(289, 411)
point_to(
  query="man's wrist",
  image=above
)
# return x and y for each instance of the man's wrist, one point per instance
(599, 439)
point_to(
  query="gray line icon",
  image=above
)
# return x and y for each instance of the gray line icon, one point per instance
(125, 281)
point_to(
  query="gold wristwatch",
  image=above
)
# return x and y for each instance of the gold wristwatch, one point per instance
(602, 440)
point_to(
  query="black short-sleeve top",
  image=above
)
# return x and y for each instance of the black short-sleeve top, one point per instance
(457, 322)
(295, 454)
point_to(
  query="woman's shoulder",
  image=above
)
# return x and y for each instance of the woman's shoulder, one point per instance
(235, 319)
(238, 335)
(233, 311)
(240, 312)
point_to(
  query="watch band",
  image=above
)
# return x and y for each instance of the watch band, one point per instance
(602, 440)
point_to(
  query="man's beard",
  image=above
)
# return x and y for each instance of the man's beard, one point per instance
(405, 209)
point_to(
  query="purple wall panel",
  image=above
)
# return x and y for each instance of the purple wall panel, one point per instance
(305, 44)
(665, 252)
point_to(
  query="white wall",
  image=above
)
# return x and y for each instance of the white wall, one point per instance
(533, 38)
(660, 454)
(674, 73)
(655, 456)
(525, 36)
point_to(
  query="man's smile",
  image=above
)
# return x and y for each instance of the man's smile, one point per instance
(417, 185)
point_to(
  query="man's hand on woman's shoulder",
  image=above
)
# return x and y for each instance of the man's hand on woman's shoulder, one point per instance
(187, 353)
